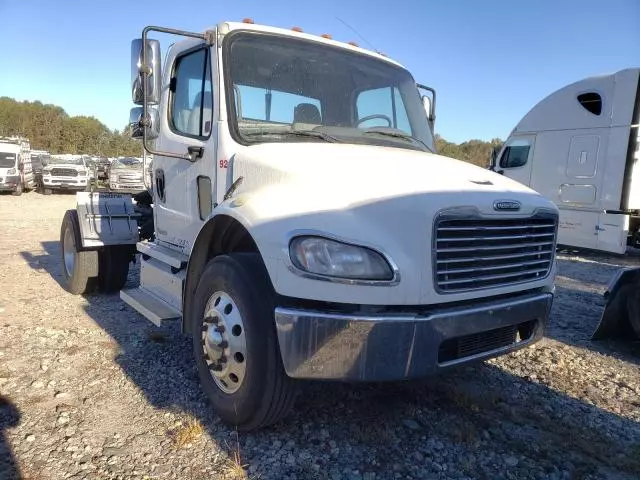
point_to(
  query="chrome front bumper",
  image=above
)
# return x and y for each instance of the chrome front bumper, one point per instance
(316, 345)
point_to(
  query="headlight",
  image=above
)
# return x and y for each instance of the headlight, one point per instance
(82, 173)
(46, 171)
(321, 256)
(113, 178)
(12, 171)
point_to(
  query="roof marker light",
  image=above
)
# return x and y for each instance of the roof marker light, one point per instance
(297, 29)
(328, 36)
(353, 44)
(247, 20)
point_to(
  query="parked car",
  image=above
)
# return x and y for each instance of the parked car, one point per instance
(125, 175)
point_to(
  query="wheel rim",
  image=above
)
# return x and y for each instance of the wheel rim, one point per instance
(223, 342)
(69, 251)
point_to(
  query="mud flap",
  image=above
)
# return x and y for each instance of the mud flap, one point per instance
(621, 316)
(106, 219)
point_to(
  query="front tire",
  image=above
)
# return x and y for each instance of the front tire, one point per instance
(235, 344)
(78, 267)
(47, 191)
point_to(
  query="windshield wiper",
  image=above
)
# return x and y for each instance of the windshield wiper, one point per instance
(398, 134)
(297, 133)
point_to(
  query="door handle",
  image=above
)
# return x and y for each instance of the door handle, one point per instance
(195, 153)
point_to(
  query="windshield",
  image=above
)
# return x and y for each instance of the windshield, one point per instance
(282, 86)
(7, 160)
(127, 162)
(40, 159)
(66, 161)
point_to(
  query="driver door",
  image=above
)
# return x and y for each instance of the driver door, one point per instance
(188, 119)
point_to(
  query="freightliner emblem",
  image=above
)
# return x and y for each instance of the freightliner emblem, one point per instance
(506, 205)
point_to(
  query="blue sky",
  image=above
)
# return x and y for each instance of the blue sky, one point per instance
(490, 61)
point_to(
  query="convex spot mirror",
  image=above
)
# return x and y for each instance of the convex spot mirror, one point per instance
(153, 69)
(136, 124)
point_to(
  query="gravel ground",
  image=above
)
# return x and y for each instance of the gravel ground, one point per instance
(90, 389)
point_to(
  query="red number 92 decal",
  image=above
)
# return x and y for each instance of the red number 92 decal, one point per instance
(224, 163)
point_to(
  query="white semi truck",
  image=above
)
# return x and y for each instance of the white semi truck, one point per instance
(301, 226)
(579, 148)
(16, 171)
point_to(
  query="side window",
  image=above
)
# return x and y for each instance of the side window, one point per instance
(591, 101)
(515, 154)
(252, 102)
(192, 98)
(386, 105)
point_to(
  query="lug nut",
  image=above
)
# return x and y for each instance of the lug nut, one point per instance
(210, 320)
(223, 344)
(215, 367)
(220, 328)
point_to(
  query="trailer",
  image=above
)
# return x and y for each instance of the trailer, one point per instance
(579, 148)
(300, 225)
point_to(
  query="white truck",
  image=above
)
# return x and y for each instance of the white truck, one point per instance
(579, 148)
(16, 171)
(126, 174)
(302, 226)
(66, 172)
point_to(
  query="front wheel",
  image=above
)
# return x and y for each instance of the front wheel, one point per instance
(235, 344)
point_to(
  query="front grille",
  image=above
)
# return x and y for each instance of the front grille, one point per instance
(478, 343)
(478, 253)
(129, 179)
(64, 172)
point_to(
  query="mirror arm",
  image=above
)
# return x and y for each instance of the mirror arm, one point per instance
(433, 103)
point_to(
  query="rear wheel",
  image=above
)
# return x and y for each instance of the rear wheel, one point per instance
(19, 189)
(78, 267)
(114, 267)
(235, 344)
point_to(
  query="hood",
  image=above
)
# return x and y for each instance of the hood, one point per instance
(53, 164)
(383, 197)
(346, 175)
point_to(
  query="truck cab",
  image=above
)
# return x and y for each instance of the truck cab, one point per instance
(579, 148)
(303, 226)
(16, 172)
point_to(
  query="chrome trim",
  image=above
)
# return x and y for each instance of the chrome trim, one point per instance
(395, 280)
(471, 213)
(355, 347)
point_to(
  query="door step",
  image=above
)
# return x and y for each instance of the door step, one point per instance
(149, 305)
(164, 254)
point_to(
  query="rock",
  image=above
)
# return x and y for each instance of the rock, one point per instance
(418, 456)
(511, 461)
(411, 424)
(30, 438)
(112, 451)
(37, 384)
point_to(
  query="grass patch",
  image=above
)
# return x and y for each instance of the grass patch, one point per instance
(187, 433)
(233, 468)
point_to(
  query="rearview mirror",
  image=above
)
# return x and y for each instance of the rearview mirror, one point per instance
(493, 157)
(428, 108)
(136, 124)
(153, 69)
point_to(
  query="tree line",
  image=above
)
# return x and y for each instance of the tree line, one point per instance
(477, 152)
(50, 128)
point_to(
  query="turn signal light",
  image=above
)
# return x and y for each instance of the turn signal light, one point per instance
(247, 20)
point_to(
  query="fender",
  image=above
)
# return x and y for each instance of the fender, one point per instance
(227, 222)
